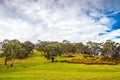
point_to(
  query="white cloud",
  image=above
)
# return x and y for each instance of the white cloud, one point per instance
(55, 20)
(14, 29)
(110, 35)
(104, 21)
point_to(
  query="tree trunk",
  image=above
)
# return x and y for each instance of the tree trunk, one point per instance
(52, 59)
(11, 62)
(5, 62)
(44, 53)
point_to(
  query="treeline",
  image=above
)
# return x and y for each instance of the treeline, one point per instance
(12, 49)
(109, 49)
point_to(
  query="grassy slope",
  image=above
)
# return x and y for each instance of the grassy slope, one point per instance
(38, 68)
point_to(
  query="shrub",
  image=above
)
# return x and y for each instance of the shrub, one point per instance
(93, 60)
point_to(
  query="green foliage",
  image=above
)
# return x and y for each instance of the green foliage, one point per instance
(11, 48)
(10, 51)
(94, 48)
(40, 46)
(29, 46)
(22, 53)
(109, 48)
(52, 50)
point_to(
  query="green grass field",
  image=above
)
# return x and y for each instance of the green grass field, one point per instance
(38, 68)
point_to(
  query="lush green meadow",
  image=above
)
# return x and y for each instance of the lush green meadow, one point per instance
(38, 68)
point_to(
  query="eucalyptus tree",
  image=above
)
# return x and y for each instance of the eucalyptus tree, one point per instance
(29, 46)
(79, 48)
(41, 45)
(68, 47)
(109, 48)
(5, 52)
(10, 50)
(94, 47)
(52, 50)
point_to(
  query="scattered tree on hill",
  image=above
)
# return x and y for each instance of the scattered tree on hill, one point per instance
(10, 51)
(52, 50)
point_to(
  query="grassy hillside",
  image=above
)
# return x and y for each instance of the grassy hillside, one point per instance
(38, 68)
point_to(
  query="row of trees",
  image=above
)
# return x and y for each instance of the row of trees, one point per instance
(12, 49)
(109, 49)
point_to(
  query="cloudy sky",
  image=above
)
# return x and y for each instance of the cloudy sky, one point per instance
(57, 20)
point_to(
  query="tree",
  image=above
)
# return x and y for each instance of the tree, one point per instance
(29, 46)
(23, 53)
(52, 50)
(94, 47)
(109, 48)
(79, 48)
(41, 45)
(68, 47)
(10, 51)
(4, 51)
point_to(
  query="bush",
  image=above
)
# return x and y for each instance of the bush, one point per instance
(69, 56)
(64, 61)
(93, 60)
(86, 55)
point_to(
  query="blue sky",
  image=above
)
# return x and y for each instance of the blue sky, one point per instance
(57, 20)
